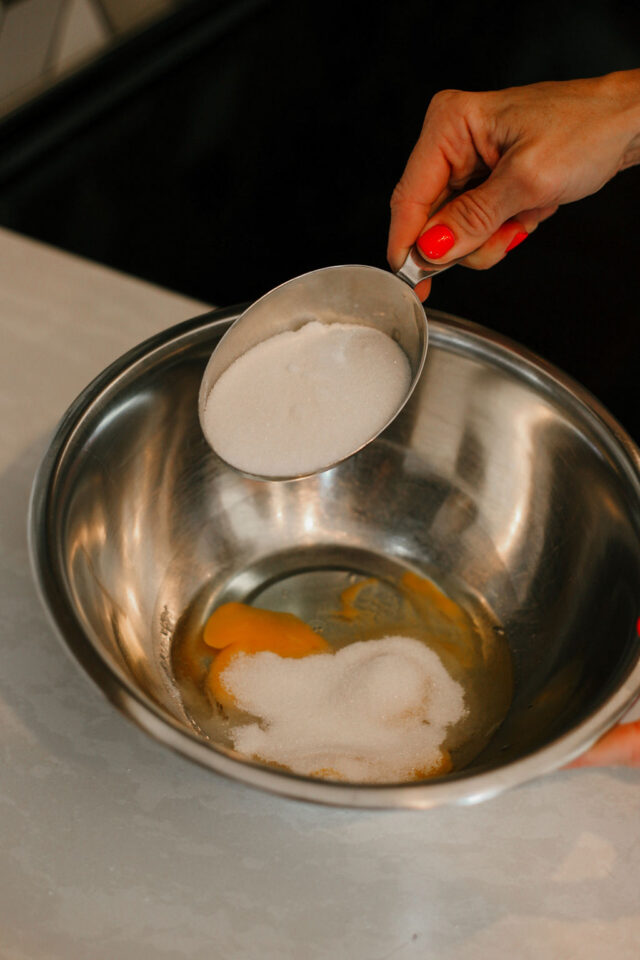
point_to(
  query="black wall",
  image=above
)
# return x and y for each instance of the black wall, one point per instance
(273, 134)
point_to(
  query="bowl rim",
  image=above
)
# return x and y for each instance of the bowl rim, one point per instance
(461, 788)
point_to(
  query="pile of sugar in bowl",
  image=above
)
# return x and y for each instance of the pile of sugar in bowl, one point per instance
(373, 712)
(305, 399)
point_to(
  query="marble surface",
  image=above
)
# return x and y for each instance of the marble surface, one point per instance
(113, 847)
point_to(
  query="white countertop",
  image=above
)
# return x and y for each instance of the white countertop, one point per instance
(113, 848)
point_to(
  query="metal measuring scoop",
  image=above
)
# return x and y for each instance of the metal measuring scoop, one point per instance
(355, 294)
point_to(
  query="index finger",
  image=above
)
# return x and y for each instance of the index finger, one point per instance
(423, 183)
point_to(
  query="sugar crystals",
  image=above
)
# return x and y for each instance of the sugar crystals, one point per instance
(302, 400)
(376, 711)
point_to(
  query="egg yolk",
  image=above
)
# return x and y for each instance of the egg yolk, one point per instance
(348, 597)
(435, 597)
(236, 628)
(455, 634)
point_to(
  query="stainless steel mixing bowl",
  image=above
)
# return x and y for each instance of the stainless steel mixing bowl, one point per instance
(500, 474)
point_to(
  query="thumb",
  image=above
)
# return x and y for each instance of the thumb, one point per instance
(468, 221)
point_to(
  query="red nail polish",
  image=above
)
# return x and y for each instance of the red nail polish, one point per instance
(435, 241)
(519, 237)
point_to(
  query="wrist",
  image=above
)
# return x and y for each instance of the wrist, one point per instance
(623, 88)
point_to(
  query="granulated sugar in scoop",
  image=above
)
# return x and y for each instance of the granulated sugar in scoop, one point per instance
(304, 399)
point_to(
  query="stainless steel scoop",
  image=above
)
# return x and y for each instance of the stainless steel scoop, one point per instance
(342, 294)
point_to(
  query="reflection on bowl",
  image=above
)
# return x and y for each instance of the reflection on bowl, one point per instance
(501, 479)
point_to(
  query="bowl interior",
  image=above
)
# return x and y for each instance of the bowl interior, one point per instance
(497, 480)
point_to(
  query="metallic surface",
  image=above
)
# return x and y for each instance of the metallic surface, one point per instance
(500, 474)
(343, 294)
(415, 268)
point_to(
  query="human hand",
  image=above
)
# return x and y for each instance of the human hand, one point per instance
(618, 747)
(537, 147)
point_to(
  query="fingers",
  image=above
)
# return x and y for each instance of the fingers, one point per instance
(506, 238)
(467, 222)
(442, 161)
(479, 226)
(423, 289)
(510, 235)
(423, 187)
(461, 138)
(619, 747)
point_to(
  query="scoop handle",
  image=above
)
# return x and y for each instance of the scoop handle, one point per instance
(416, 268)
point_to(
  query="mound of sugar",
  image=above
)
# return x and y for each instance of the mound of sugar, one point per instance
(301, 400)
(376, 711)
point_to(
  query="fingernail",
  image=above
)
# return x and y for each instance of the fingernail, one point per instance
(435, 241)
(519, 237)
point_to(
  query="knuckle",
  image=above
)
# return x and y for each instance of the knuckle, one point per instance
(449, 94)
(445, 96)
(446, 101)
(474, 214)
(404, 197)
(399, 195)
(535, 179)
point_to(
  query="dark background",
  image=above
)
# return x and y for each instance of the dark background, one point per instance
(238, 144)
